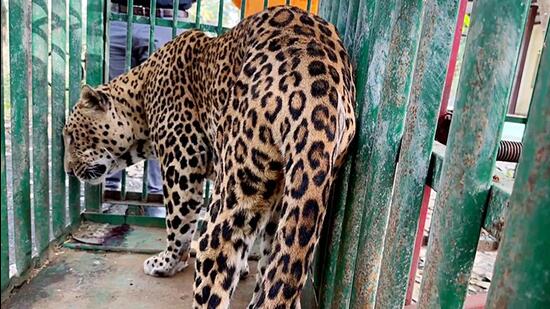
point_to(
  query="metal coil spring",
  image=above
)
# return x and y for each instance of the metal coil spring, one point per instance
(509, 151)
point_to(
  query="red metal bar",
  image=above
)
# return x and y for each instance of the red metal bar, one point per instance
(454, 55)
(418, 242)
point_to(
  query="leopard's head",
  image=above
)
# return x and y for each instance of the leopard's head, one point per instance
(96, 135)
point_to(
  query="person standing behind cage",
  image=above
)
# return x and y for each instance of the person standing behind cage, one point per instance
(140, 53)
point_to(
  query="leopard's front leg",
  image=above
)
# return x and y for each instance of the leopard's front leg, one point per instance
(183, 168)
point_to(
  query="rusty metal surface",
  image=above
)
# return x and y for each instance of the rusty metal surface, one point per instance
(522, 270)
(438, 20)
(485, 84)
(394, 93)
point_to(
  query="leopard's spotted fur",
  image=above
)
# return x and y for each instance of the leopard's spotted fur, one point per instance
(265, 111)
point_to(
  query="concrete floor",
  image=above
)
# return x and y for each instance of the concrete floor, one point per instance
(85, 279)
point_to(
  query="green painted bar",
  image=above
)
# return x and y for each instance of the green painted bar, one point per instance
(266, 3)
(487, 74)
(516, 119)
(152, 19)
(327, 266)
(40, 141)
(121, 219)
(342, 17)
(58, 104)
(75, 81)
(94, 75)
(243, 9)
(198, 15)
(372, 51)
(287, 2)
(350, 26)
(166, 23)
(129, 36)
(324, 9)
(330, 242)
(521, 277)
(20, 56)
(152, 24)
(308, 6)
(220, 18)
(4, 245)
(497, 208)
(334, 10)
(206, 193)
(144, 187)
(438, 21)
(175, 4)
(127, 66)
(386, 139)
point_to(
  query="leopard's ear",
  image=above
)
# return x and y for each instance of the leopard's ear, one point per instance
(94, 98)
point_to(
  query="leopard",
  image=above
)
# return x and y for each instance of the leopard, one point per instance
(265, 111)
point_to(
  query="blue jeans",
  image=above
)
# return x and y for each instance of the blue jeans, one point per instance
(140, 53)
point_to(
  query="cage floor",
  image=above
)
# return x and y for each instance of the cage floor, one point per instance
(87, 279)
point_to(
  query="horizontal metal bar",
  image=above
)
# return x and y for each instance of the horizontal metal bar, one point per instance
(121, 219)
(515, 118)
(166, 23)
(498, 194)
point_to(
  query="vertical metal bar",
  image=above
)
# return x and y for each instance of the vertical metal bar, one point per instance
(41, 182)
(487, 75)
(175, 11)
(59, 8)
(4, 244)
(328, 7)
(144, 184)
(521, 271)
(243, 9)
(129, 36)
(330, 243)
(372, 56)
(350, 26)
(372, 35)
(308, 6)
(266, 3)
(220, 18)
(20, 57)
(287, 2)
(436, 36)
(75, 81)
(152, 19)
(94, 75)
(393, 100)
(451, 67)
(324, 8)
(207, 193)
(198, 15)
(342, 17)
(127, 67)
(417, 244)
(335, 10)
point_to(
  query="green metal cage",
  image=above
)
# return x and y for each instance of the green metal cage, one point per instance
(400, 51)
